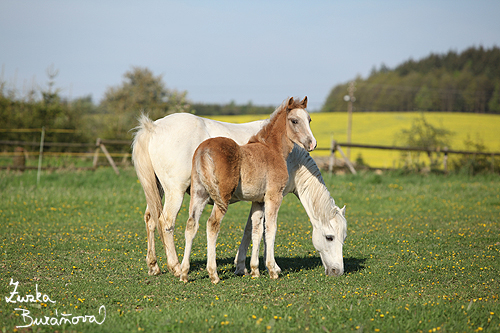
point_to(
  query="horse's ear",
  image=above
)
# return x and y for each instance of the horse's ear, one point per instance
(304, 102)
(289, 103)
(343, 211)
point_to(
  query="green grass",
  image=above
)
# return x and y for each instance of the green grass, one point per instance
(422, 254)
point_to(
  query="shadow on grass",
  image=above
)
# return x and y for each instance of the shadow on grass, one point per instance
(287, 265)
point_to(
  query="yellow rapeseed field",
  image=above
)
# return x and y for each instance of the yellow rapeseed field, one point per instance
(381, 128)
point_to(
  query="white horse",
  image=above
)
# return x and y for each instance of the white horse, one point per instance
(162, 152)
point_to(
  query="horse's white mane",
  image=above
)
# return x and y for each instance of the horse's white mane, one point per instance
(311, 188)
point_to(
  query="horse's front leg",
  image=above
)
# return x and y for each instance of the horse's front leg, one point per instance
(272, 205)
(213, 228)
(254, 218)
(151, 260)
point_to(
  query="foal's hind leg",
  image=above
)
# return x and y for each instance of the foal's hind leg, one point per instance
(254, 218)
(213, 228)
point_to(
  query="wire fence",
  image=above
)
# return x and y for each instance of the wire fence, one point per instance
(22, 157)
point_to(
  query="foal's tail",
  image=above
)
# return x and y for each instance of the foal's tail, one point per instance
(144, 167)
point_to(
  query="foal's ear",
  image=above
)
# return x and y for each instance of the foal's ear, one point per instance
(304, 102)
(289, 103)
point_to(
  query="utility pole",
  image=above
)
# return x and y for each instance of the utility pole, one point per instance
(350, 99)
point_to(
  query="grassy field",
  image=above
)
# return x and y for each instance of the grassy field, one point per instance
(381, 128)
(422, 255)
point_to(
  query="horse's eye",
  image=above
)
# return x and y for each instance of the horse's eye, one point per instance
(295, 121)
(329, 238)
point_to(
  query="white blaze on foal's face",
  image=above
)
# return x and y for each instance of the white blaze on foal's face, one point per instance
(299, 123)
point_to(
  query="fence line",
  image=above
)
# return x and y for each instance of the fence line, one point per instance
(337, 147)
(444, 150)
(100, 145)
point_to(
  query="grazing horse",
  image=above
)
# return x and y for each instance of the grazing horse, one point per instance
(162, 153)
(257, 172)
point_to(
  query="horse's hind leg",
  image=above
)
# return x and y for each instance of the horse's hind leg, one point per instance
(255, 217)
(173, 203)
(213, 228)
(151, 260)
(199, 199)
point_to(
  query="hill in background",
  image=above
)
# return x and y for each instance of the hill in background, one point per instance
(465, 82)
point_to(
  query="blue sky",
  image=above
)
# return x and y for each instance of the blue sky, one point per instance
(219, 51)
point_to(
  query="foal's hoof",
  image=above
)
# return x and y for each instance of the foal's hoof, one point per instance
(273, 275)
(155, 270)
(215, 279)
(255, 273)
(176, 270)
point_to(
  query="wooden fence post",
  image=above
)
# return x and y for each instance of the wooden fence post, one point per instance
(96, 153)
(99, 144)
(331, 161)
(445, 160)
(42, 139)
(349, 164)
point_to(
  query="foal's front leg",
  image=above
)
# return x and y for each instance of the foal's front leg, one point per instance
(257, 231)
(213, 228)
(272, 205)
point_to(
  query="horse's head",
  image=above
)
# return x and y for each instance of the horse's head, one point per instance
(298, 119)
(328, 239)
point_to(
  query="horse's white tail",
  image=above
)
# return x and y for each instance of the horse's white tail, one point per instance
(144, 167)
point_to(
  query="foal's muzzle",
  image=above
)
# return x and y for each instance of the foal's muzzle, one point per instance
(312, 144)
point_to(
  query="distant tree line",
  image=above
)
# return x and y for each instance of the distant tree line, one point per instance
(230, 109)
(112, 118)
(465, 82)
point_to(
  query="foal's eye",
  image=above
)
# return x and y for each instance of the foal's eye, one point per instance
(329, 238)
(294, 121)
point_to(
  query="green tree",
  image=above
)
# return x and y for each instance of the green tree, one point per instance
(141, 91)
(423, 100)
(494, 103)
(422, 134)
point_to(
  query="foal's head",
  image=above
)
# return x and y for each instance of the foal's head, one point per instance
(297, 127)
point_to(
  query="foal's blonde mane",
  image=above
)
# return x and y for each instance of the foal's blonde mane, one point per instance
(269, 126)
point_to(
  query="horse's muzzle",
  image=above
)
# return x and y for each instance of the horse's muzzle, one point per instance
(334, 271)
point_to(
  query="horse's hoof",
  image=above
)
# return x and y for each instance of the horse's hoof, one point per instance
(240, 271)
(273, 275)
(215, 279)
(183, 278)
